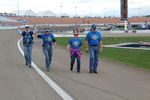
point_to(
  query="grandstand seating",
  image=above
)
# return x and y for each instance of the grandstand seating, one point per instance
(40, 20)
(63, 21)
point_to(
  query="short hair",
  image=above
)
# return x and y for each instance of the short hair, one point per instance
(76, 30)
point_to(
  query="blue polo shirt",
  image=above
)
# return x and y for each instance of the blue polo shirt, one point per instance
(47, 39)
(75, 43)
(93, 38)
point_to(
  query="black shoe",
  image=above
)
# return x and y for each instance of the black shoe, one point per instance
(71, 68)
(30, 66)
(26, 64)
(78, 71)
(95, 72)
(90, 71)
(47, 69)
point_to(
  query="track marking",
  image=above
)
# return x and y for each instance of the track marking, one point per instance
(50, 82)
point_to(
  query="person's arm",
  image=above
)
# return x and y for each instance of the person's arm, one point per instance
(69, 44)
(101, 45)
(54, 41)
(81, 48)
(86, 46)
(86, 43)
(68, 47)
(35, 31)
(19, 31)
(34, 34)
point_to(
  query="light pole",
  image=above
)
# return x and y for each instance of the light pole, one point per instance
(61, 13)
(18, 19)
(139, 11)
(89, 11)
(76, 14)
(18, 7)
(75, 11)
(104, 12)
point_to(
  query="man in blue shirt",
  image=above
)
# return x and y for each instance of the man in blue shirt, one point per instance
(74, 45)
(27, 44)
(93, 42)
(48, 41)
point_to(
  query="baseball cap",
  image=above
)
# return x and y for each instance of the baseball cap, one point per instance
(26, 26)
(93, 26)
(46, 30)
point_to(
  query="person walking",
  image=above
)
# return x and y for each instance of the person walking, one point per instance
(74, 47)
(27, 44)
(93, 43)
(48, 41)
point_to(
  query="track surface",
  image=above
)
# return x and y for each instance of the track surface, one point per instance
(113, 82)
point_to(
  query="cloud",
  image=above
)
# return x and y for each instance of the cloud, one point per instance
(138, 3)
(84, 1)
(97, 7)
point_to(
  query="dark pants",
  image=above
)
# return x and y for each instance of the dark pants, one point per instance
(73, 57)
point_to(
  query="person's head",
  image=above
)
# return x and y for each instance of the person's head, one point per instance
(27, 28)
(93, 27)
(47, 32)
(75, 33)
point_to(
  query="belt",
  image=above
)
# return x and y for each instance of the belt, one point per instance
(94, 45)
(46, 45)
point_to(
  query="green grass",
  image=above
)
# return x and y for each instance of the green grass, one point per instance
(136, 58)
(115, 40)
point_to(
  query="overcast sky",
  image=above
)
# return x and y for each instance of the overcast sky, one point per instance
(78, 7)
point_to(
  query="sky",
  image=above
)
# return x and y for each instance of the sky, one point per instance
(78, 7)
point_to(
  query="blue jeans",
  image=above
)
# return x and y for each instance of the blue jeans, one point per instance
(48, 55)
(28, 53)
(94, 52)
(75, 55)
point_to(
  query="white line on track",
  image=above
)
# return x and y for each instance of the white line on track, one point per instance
(51, 83)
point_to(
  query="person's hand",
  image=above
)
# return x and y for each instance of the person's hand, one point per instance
(67, 48)
(18, 28)
(87, 50)
(36, 35)
(55, 45)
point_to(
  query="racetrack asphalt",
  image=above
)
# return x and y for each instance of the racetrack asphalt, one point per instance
(114, 81)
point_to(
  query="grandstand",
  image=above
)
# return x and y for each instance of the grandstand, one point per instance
(7, 23)
(47, 20)
(103, 23)
(135, 23)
